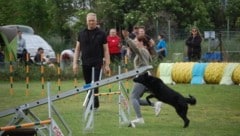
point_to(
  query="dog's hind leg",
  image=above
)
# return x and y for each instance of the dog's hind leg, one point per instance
(149, 97)
(182, 112)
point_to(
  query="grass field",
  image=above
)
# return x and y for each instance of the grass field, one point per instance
(217, 112)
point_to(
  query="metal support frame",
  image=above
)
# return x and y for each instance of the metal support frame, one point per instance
(123, 106)
(28, 116)
(88, 113)
(123, 103)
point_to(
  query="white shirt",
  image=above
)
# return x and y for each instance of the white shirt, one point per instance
(69, 52)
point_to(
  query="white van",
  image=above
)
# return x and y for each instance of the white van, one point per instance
(33, 42)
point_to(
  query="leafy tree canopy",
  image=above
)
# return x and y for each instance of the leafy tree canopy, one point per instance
(63, 17)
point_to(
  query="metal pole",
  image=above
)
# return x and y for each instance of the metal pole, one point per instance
(220, 45)
(157, 30)
(227, 28)
(119, 96)
(49, 108)
(169, 33)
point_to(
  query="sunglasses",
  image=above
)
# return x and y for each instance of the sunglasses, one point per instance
(194, 30)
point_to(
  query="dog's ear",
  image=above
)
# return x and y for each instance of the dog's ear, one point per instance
(145, 74)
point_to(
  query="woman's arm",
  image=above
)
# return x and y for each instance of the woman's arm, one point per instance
(189, 41)
(76, 57)
(132, 45)
(130, 42)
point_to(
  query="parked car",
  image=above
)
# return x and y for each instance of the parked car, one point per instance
(33, 42)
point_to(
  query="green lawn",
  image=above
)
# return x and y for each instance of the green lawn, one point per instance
(217, 112)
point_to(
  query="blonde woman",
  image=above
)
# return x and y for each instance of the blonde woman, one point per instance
(193, 44)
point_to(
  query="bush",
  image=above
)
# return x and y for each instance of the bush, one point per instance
(49, 73)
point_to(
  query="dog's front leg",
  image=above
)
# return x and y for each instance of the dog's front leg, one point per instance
(148, 98)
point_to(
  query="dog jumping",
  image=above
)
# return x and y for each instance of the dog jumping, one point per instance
(163, 93)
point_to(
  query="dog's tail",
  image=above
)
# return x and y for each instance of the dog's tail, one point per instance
(191, 100)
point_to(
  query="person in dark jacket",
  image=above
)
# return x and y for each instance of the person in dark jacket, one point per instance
(193, 44)
(92, 44)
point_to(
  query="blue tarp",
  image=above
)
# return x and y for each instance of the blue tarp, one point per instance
(212, 56)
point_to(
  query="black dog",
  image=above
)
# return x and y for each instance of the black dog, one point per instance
(167, 95)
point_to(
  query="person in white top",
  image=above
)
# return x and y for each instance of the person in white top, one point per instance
(21, 44)
(66, 58)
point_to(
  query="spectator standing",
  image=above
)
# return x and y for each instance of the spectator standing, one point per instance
(161, 48)
(193, 44)
(114, 45)
(21, 45)
(92, 43)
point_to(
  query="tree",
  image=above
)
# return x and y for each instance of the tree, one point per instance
(33, 13)
(125, 13)
(60, 12)
(7, 11)
(233, 13)
(28, 12)
(52, 16)
(217, 13)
